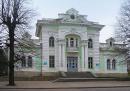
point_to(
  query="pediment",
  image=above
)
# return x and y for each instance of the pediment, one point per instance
(72, 11)
(72, 16)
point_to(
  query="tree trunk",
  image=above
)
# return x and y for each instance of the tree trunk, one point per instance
(11, 57)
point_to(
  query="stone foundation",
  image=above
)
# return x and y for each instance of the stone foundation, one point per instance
(32, 74)
(26, 73)
(57, 74)
(111, 74)
(51, 74)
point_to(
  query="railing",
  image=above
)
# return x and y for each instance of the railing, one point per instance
(105, 45)
(121, 46)
(72, 49)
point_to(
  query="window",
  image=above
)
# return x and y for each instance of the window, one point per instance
(23, 61)
(108, 64)
(51, 61)
(67, 42)
(113, 64)
(90, 43)
(51, 42)
(72, 17)
(110, 43)
(90, 62)
(29, 61)
(71, 42)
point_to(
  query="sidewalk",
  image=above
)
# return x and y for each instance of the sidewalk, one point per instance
(60, 85)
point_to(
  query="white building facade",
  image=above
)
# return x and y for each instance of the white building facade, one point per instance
(70, 43)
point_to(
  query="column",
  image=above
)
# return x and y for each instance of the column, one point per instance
(68, 42)
(74, 42)
(84, 55)
(62, 62)
(82, 67)
(64, 67)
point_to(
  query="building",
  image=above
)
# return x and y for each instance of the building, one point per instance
(70, 43)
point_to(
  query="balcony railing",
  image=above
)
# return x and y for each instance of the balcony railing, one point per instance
(120, 46)
(72, 49)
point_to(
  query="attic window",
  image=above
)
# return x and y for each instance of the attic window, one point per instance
(110, 43)
(72, 17)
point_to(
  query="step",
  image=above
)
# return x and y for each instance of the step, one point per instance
(77, 75)
(82, 79)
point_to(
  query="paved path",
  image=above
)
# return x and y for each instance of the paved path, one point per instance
(50, 85)
(84, 89)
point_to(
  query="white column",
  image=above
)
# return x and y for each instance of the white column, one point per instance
(74, 42)
(64, 67)
(82, 67)
(60, 61)
(68, 42)
(86, 58)
(84, 55)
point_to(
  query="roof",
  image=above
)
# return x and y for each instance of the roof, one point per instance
(71, 17)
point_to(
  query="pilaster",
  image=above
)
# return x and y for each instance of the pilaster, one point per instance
(62, 61)
(84, 55)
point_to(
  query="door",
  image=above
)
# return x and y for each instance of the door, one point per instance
(72, 63)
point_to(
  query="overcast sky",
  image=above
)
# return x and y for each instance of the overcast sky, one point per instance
(102, 11)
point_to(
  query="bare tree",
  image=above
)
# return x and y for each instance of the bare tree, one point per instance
(123, 22)
(14, 16)
(122, 32)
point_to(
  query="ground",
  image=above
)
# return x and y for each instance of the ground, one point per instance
(64, 85)
(85, 89)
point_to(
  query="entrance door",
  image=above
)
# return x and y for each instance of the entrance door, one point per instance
(72, 64)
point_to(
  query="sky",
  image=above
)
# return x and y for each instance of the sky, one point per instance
(103, 11)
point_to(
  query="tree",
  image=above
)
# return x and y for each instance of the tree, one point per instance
(123, 23)
(122, 32)
(14, 16)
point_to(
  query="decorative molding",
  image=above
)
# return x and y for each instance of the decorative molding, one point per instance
(75, 32)
(84, 42)
(51, 33)
(61, 41)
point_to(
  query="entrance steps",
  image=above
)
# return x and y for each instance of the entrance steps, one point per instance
(77, 75)
(80, 77)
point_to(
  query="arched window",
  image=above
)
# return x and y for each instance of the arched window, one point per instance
(71, 42)
(108, 64)
(110, 43)
(23, 61)
(51, 42)
(113, 64)
(90, 43)
(72, 17)
(29, 61)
